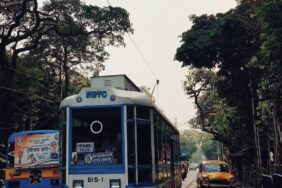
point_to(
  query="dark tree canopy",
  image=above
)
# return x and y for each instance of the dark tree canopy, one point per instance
(53, 39)
(223, 42)
(243, 48)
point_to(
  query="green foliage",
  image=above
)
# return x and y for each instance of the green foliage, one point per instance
(244, 47)
(61, 40)
(224, 119)
(198, 80)
(270, 57)
(209, 149)
(225, 42)
(79, 41)
(188, 144)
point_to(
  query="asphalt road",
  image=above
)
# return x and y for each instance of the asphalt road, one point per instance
(190, 181)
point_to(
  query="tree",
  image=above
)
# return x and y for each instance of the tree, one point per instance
(188, 144)
(269, 62)
(214, 115)
(24, 26)
(77, 46)
(220, 42)
(198, 82)
(228, 43)
(209, 149)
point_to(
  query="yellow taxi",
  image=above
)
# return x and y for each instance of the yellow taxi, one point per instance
(215, 174)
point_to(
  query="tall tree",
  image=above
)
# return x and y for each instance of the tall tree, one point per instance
(23, 26)
(269, 62)
(188, 144)
(228, 43)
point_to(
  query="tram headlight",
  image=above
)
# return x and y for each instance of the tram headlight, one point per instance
(115, 183)
(77, 183)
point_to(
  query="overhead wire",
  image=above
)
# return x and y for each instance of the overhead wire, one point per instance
(28, 75)
(26, 93)
(47, 100)
(139, 51)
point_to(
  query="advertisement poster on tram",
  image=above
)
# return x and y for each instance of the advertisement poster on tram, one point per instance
(38, 150)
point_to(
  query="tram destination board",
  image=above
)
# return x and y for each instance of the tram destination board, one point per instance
(101, 158)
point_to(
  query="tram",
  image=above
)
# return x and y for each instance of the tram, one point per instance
(33, 160)
(114, 136)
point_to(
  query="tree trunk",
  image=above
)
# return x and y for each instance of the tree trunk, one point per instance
(256, 134)
(275, 131)
(66, 72)
(60, 82)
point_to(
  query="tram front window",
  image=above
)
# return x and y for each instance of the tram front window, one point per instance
(96, 136)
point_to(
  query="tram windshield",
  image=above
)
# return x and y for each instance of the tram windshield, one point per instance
(96, 136)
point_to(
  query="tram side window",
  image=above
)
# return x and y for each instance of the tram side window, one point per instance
(131, 152)
(144, 153)
(158, 143)
(143, 112)
(158, 154)
(63, 142)
(130, 112)
(96, 136)
(144, 144)
(63, 137)
(168, 150)
(164, 159)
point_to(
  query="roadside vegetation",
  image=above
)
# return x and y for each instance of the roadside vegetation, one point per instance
(235, 79)
(49, 50)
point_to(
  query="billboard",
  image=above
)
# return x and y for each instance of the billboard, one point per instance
(37, 150)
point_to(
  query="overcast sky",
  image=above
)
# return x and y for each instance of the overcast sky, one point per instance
(157, 26)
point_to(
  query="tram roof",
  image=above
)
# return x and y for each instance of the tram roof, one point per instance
(99, 96)
(112, 90)
(103, 96)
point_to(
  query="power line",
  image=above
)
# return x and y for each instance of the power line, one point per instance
(28, 75)
(109, 2)
(22, 92)
(139, 51)
(142, 55)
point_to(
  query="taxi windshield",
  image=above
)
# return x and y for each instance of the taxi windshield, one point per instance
(216, 168)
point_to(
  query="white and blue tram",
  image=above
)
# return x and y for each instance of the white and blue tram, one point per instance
(113, 136)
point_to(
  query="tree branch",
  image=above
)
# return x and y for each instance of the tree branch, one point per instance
(31, 31)
(17, 22)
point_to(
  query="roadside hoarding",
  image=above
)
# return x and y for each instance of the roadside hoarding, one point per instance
(37, 150)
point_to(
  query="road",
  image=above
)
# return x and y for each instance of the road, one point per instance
(190, 181)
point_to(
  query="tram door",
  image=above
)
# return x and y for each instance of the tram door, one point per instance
(139, 137)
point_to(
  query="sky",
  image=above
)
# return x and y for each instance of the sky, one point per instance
(157, 26)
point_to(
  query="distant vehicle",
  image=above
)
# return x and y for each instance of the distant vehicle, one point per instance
(193, 166)
(183, 173)
(184, 160)
(215, 174)
(33, 160)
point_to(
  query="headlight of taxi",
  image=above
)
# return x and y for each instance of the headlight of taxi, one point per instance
(231, 179)
(205, 179)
